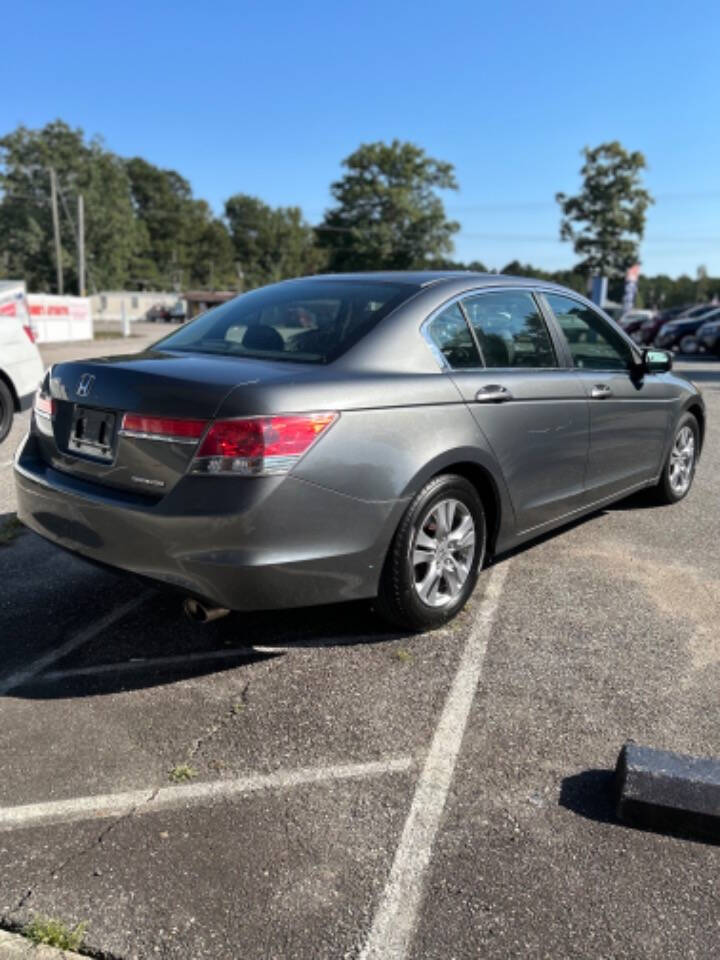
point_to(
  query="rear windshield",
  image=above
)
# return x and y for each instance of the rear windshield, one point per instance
(310, 321)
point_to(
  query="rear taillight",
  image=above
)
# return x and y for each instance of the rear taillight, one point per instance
(31, 335)
(44, 409)
(259, 446)
(44, 406)
(162, 428)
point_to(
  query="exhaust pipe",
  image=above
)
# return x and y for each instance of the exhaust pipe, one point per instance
(200, 612)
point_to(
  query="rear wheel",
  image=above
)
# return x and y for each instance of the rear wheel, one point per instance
(7, 408)
(433, 563)
(679, 469)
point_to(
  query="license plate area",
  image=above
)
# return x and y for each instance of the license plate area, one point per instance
(93, 434)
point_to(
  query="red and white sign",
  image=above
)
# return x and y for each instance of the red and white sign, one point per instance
(60, 318)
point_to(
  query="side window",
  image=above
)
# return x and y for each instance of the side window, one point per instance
(450, 333)
(510, 330)
(593, 343)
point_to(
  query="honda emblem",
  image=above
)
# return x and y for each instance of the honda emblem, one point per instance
(85, 385)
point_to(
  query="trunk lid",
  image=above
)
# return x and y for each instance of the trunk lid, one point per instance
(91, 397)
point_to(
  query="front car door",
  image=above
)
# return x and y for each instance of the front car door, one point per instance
(531, 408)
(630, 413)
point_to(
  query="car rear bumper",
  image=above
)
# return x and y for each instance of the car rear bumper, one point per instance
(242, 543)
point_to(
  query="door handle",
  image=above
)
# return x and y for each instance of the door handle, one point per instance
(493, 393)
(601, 391)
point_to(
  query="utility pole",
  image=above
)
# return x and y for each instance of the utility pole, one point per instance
(56, 229)
(81, 245)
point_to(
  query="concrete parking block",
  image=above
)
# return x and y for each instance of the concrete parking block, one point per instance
(661, 790)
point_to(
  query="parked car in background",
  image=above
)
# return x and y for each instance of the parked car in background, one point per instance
(680, 334)
(708, 336)
(353, 436)
(21, 368)
(633, 316)
(697, 311)
(648, 330)
(157, 313)
(632, 321)
(176, 313)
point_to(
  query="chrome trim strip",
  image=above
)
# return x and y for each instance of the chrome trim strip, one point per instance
(138, 435)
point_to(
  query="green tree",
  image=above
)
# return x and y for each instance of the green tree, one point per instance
(568, 278)
(444, 263)
(26, 238)
(214, 264)
(388, 214)
(606, 220)
(181, 243)
(271, 244)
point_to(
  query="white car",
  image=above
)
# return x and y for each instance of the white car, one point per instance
(21, 368)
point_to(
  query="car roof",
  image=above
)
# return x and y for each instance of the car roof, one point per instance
(426, 278)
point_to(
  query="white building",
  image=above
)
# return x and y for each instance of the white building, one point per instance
(108, 305)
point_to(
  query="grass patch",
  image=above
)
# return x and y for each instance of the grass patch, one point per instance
(10, 529)
(238, 708)
(53, 933)
(404, 656)
(182, 773)
(112, 335)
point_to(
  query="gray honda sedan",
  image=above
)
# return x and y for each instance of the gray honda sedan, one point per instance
(354, 436)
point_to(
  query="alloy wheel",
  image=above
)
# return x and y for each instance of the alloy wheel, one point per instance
(442, 552)
(682, 461)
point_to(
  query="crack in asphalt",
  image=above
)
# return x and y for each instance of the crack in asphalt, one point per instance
(6, 922)
(98, 841)
(225, 720)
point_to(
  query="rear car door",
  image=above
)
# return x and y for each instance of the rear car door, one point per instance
(630, 413)
(530, 407)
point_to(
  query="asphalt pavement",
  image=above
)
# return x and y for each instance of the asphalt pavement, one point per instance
(311, 785)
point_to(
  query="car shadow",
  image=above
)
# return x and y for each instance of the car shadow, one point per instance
(641, 500)
(156, 645)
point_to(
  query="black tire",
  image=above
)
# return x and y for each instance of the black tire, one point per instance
(666, 492)
(7, 408)
(398, 599)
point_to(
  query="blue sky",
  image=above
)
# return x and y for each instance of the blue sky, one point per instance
(267, 98)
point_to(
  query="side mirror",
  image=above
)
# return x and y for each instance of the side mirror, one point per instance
(656, 361)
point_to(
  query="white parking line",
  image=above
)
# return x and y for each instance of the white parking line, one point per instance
(150, 801)
(391, 933)
(123, 666)
(141, 663)
(26, 673)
